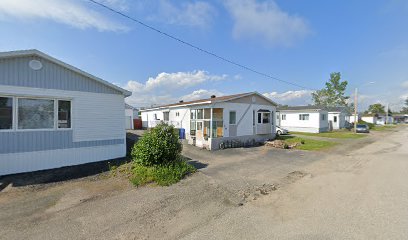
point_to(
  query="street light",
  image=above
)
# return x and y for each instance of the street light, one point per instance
(355, 105)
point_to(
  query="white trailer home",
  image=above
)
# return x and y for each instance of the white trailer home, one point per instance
(53, 114)
(303, 119)
(338, 117)
(210, 123)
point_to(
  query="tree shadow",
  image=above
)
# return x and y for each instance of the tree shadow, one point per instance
(195, 163)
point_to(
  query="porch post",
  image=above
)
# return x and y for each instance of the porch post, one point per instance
(211, 122)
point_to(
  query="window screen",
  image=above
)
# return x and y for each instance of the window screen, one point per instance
(35, 113)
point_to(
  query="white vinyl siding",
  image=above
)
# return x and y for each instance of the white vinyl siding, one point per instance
(95, 116)
(23, 162)
(6, 113)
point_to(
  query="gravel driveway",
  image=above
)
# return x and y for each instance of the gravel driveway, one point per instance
(254, 193)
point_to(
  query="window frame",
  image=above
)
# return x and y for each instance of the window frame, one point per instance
(229, 117)
(302, 117)
(16, 98)
(70, 111)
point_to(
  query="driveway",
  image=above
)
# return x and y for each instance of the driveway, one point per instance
(349, 192)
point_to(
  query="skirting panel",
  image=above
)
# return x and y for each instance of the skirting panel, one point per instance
(41, 160)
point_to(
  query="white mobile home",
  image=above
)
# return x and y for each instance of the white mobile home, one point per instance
(338, 117)
(303, 119)
(210, 123)
(53, 114)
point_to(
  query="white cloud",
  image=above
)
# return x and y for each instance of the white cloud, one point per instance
(71, 12)
(164, 88)
(405, 84)
(201, 94)
(300, 97)
(266, 21)
(192, 14)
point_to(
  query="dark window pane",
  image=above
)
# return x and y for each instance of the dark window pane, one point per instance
(64, 114)
(6, 113)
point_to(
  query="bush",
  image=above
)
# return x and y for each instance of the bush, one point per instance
(158, 146)
(163, 175)
(302, 141)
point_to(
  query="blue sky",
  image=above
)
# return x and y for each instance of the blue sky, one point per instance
(294, 40)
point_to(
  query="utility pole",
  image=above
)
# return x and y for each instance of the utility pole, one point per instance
(355, 111)
(386, 115)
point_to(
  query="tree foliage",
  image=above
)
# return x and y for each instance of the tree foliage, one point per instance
(158, 146)
(333, 95)
(377, 108)
(405, 109)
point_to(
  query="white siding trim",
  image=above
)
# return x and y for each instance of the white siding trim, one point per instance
(33, 161)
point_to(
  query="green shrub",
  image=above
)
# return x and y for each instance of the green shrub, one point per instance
(158, 146)
(302, 141)
(163, 175)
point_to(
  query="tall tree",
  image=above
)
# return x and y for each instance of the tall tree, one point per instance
(405, 109)
(333, 95)
(377, 108)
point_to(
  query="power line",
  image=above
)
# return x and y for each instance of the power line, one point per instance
(198, 48)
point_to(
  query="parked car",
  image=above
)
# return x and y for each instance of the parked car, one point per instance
(362, 128)
(281, 131)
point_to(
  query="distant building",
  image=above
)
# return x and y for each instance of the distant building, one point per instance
(303, 119)
(209, 123)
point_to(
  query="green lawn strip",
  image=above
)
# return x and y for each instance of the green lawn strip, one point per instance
(336, 134)
(383, 128)
(308, 144)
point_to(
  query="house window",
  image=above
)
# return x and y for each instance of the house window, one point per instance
(6, 113)
(283, 116)
(304, 117)
(155, 116)
(253, 118)
(232, 117)
(323, 117)
(266, 117)
(35, 113)
(335, 118)
(259, 117)
(166, 116)
(64, 114)
(199, 113)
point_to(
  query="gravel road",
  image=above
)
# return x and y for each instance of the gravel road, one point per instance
(357, 190)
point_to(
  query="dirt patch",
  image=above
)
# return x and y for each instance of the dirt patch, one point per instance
(255, 192)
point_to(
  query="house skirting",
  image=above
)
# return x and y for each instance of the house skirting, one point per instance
(306, 129)
(214, 143)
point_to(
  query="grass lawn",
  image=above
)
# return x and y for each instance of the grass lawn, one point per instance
(335, 134)
(308, 144)
(383, 128)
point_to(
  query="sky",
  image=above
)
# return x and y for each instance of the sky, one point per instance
(296, 41)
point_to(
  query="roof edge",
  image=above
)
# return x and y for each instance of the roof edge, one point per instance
(35, 52)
